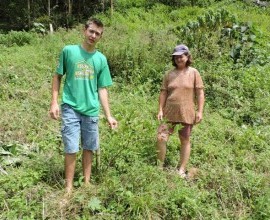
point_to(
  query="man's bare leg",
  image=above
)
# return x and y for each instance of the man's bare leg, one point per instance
(70, 163)
(87, 165)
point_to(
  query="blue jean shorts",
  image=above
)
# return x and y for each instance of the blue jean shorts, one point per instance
(76, 127)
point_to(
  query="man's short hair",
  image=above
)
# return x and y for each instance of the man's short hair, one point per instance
(93, 21)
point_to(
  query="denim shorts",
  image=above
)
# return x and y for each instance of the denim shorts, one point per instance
(76, 127)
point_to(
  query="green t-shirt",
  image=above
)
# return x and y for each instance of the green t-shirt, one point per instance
(85, 74)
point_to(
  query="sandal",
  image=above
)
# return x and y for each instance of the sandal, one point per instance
(182, 174)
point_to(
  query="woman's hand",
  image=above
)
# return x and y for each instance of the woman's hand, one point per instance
(160, 115)
(198, 117)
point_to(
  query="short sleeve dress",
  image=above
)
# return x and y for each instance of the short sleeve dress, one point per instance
(181, 94)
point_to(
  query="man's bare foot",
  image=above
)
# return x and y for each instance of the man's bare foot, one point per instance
(64, 201)
(68, 191)
(87, 183)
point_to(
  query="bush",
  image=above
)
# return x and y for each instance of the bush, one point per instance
(18, 38)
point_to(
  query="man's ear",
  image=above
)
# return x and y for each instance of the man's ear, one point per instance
(83, 30)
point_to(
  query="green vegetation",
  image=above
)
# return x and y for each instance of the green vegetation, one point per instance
(230, 147)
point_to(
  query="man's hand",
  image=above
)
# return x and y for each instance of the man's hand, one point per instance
(112, 122)
(54, 111)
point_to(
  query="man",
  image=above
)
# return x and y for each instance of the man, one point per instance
(87, 76)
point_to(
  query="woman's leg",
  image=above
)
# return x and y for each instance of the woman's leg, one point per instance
(161, 152)
(184, 136)
(184, 154)
(164, 132)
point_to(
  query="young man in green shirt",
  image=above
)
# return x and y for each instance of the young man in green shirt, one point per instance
(87, 76)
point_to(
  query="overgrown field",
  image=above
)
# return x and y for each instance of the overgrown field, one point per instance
(231, 147)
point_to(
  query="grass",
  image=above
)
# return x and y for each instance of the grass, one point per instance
(232, 157)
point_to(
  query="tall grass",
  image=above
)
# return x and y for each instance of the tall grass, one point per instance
(230, 147)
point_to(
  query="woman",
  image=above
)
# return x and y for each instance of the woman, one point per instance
(181, 92)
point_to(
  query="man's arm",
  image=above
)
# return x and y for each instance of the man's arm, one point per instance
(104, 100)
(54, 109)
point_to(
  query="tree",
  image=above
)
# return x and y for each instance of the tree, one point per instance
(111, 7)
(29, 12)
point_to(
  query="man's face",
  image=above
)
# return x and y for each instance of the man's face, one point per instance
(93, 34)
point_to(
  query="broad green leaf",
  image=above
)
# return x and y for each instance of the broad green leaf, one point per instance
(94, 204)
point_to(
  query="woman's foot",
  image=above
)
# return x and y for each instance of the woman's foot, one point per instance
(182, 174)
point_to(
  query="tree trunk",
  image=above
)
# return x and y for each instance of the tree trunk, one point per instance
(49, 8)
(103, 6)
(111, 7)
(69, 7)
(29, 12)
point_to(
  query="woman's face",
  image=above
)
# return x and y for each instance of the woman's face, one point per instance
(180, 60)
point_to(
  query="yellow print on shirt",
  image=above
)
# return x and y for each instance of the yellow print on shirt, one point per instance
(84, 71)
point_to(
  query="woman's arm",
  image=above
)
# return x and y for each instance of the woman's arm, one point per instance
(200, 103)
(162, 101)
